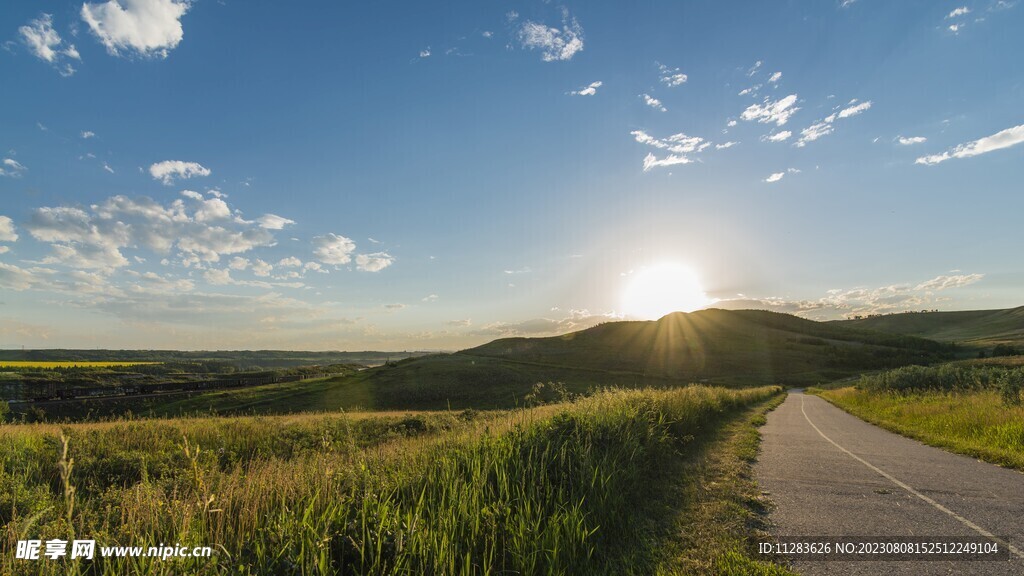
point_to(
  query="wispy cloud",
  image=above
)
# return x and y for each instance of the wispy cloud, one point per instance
(46, 44)
(274, 222)
(826, 126)
(908, 140)
(12, 168)
(848, 303)
(671, 77)
(553, 43)
(588, 90)
(147, 28)
(775, 177)
(997, 141)
(777, 111)
(653, 102)
(168, 170)
(775, 78)
(961, 11)
(680, 147)
(778, 136)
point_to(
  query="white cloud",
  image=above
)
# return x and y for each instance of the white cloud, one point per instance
(168, 170)
(778, 111)
(217, 277)
(730, 123)
(651, 161)
(671, 77)
(315, 267)
(588, 90)
(826, 126)
(813, 132)
(775, 177)
(855, 109)
(274, 222)
(238, 263)
(7, 233)
(778, 136)
(908, 140)
(212, 209)
(944, 282)
(46, 44)
(86, 134)
(840, 303)
(429, 298)
(997, 141)
(4, 249)
(148, 28)
(374, 262)
(290, 262)
(15, 278)
(94, 237)
(725, 145)
(653, 102)
(752, 90)
(108, 168)
(954, 28)
(753, 69)
(961, 11)
(261, 268)
(775, 78)
(12, 168)
(678, 145)
(554, 44)
(333, 249)
(425, 53)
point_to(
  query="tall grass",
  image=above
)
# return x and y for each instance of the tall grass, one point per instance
(979, 423)
(552, 490)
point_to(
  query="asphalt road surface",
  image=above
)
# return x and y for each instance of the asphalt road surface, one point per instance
(830, 474)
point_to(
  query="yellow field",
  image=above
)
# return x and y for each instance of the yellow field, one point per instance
(70, 364)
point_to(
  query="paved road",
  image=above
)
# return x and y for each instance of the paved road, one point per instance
(831, 474)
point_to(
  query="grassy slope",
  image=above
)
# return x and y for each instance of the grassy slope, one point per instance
(980, 328)
(974, 423)
(730, 348)
(557, 490)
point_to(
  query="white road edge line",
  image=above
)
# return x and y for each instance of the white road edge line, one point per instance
(1013, 550)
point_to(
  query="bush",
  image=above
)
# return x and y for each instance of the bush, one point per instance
(1011, 383)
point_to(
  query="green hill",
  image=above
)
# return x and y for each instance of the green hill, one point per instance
(974, 328)
(734, 348)
(731, 348)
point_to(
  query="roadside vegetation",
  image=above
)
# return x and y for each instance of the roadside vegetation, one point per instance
(587, 486)
(974, 409)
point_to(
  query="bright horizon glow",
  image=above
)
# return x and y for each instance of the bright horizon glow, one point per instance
(662, 289)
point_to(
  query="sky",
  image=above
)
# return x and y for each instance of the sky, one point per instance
(431, 176)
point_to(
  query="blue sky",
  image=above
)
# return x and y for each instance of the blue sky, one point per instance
(394, 175)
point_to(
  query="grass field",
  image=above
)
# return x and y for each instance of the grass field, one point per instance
(562, 489)
(977, 423)
(68, 364)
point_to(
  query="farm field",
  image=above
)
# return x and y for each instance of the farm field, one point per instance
(598, 485)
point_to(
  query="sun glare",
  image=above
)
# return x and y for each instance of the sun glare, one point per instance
(659, 290)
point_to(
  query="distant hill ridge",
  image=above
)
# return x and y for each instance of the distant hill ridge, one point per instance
(977, 328)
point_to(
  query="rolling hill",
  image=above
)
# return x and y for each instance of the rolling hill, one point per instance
(974, 328)
(731, 348)
(735, 348)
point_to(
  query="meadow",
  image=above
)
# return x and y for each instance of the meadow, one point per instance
(589, 486)
(974, 409)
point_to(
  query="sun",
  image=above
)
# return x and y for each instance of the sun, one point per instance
(658, 290)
